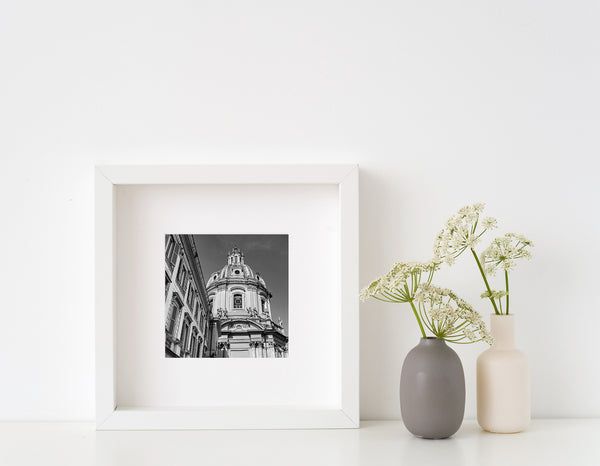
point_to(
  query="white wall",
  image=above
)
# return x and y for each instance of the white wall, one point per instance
(441, 103)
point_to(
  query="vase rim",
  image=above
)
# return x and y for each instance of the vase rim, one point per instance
(431, 340)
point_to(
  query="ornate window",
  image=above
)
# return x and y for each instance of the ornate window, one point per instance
(181, 274)
(190, 296)
(185, 332)
(237, 301)
(171, 250)
(173, 316)
(196, 307)
(167, 285)
(194, 343)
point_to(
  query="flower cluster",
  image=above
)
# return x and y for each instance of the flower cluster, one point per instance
(450, 317)
(504, 251)
(438, 309)
(460, 233)
(463, 231)
(400, 284)
(494, 294)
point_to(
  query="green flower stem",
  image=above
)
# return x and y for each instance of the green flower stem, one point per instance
(425, 318)
(506, 280)
(487, 285)
(418, 318)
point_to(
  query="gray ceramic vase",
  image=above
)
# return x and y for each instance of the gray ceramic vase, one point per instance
(432, 390)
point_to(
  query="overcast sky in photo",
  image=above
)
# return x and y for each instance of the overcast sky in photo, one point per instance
(266, 255)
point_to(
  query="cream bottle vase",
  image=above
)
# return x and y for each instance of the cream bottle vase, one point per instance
(503, 381)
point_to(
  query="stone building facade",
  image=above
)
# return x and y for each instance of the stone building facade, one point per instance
(187, 316)
(241, 323)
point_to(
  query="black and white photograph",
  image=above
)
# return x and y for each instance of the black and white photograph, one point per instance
(226, 296)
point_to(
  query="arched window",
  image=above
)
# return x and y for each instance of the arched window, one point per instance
(237, 301)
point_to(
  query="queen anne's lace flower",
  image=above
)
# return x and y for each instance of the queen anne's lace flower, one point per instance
(445, 314)
(493, 294)
(400, 283)
(470, 334)
(504, 251)
(489, 222)
(439, 309)
(450, 317)
(460, 233)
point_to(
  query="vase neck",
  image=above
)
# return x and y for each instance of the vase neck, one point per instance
(431, 341)
(503, 331)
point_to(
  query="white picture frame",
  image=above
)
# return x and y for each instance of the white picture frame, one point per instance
(109, 416)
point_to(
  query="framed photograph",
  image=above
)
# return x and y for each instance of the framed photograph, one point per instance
(227, 297)
(230, 312)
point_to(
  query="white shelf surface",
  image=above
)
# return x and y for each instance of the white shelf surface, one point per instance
(546, 442)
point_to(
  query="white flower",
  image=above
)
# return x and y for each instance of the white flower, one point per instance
(490, 270)
(373, 289)
(471, 241)
(507, 265)
(489, 223)
(400, 283)
(450, 317)
(493, 294)
(460, 233)
(504, 251)
(470, 334)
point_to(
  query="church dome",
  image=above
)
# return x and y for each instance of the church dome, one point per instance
(240, 308)
(235, 269)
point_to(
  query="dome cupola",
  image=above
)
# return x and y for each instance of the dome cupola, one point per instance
(235, 270)
(235, 257)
